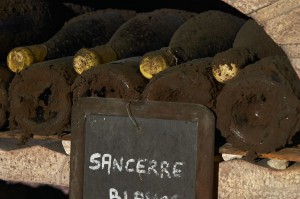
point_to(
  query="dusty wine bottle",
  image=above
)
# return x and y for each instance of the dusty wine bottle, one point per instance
(258, 110)
(41, 98)
(24, 22)
(189, 82)
(145, 32)
(117, 79)
(86, 30)
(201, 36)
(5, 78)
(251, 44)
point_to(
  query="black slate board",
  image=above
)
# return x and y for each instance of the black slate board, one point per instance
(136, 149)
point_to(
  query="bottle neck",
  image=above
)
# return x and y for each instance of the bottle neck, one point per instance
(170, 56)
(86, 58)
(177, 54)
(105, 53)
(154, 62)
(21, 57)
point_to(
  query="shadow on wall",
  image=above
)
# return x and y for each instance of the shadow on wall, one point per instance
(23, 191)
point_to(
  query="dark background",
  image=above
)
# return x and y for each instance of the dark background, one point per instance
(147, 5)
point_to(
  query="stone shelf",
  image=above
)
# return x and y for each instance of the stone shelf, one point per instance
(46, 162)
(42, 161)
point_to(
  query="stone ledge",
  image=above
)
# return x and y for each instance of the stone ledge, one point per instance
(237, 178)
(35, 163)
(241, 179)
(274, 10)
(285, 29)
(249, 6)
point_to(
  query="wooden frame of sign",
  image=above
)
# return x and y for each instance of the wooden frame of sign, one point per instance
(124, 149)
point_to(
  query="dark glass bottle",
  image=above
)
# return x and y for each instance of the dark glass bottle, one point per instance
(251, 44)
(41, 98)
(189, 82)
(202, 36)
(259, 109)
(86, 30)
(145, 32)
(25, 22)
(118, 79)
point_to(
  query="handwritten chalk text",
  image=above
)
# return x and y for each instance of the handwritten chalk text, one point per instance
(114, 194)
(163, 169)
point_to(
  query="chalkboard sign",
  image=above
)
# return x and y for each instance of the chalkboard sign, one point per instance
(124, 149)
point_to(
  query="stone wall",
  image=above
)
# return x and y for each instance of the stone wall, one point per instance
(281, 21)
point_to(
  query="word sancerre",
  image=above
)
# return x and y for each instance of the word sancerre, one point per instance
(163, 169)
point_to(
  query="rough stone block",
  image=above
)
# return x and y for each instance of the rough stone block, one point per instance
(274, 10)
(35, 164)
(291, 50)
(241, 179)
(249, 6)
(285, 28)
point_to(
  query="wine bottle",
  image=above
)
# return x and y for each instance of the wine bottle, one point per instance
(258, 110)
(41, 97)
(5, 78)
(251, 44)
(117, 79)
(189, 82)
(24, 22)
(146, 31)
(85, 30)
(201, 36)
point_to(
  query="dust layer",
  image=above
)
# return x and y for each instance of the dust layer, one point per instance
(240, 56)
(190, 82)
(86, 31)
(253, 36)
(147, 32)
(41, 97)
(206, 34)
(119, 79)
(259, 110)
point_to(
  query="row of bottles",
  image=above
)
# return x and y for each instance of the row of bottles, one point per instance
(202, 36)
(146, 32)
(90, 29)
(165, 55)
(45, 107)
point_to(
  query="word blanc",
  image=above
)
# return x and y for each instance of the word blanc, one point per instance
(113, 194)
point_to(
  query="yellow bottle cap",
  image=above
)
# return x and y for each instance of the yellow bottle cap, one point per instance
(86, 58)
(155, 62)
(224, 72)
(22, 57)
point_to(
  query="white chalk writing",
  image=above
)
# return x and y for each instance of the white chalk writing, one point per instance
(163, 169)
(114, 194)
